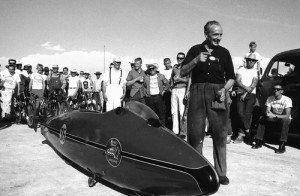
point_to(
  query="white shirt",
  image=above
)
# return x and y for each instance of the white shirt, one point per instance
(167, 73)
(10, 81)
(116, 77)
(73, 82)
(247, 75)
(154, 89)
(278, 106)
(37, 80)
(86, 85)
(97, 84)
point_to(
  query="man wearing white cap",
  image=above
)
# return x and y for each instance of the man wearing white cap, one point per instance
(246, 80)
(114, 85)
(252, 50)
(74, 84)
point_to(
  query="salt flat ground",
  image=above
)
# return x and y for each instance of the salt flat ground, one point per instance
(29, 166)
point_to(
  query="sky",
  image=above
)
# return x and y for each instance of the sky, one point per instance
(79, 33)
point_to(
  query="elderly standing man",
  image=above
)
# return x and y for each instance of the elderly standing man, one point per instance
(114, 85)
(211, 65)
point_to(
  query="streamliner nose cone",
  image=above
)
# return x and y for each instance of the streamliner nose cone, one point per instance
(208, 180)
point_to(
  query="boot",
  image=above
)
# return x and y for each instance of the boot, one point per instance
(258, 144)
(281, 148)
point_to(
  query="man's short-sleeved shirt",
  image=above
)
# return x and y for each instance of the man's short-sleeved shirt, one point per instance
(217, 69)
(10, 81)
(137, 85)
(37, 80)
(247, 75)
(278, 106)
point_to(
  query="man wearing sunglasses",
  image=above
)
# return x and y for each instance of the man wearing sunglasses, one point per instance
(246, 80)
(178, 86)
(279, 112)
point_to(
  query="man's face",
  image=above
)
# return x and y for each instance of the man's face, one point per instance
(81, 74)
(252, 48)
(180, 58)
(65, 71)
(168, 65)
(11, 70)
(73, 74)
(250, 63)
(39, 70)
(55, 70)
(278, 90)
(86, 76)
(214, 35)
(97, 76)
(152, 71)
(117, 65)
(137, 65)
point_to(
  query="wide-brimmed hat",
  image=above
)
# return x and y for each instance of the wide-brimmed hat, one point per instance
(117, 60)
(73, 70)
(153, 65)
(98, 73)
(251, 57)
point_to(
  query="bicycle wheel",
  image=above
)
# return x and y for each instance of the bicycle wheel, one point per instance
(64, 107)
(30, 115)
(92, 107)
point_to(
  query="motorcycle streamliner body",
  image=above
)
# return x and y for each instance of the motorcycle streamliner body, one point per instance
(129, 148)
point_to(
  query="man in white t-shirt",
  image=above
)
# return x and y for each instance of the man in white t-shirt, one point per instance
(74, 84)
(37, 85)
(278, 111)
(87, 83)
(114, 85)
(246, 80)
(10, 81)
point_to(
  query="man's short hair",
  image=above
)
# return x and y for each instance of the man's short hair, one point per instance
(166, 60)
(252, 43)
(39, 65)
(181, 53)
(66, 68)
(138, 59)
(209, 24)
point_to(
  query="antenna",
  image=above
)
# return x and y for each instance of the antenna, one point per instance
(104, 60)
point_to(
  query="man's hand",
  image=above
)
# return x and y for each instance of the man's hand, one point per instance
(271, 115)
(105, 97)
(248, 89)
(139, 79)
(122, 98)
(203, 56)
(242, 98)
(221, 94)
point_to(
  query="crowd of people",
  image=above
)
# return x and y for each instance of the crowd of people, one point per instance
(201, 84)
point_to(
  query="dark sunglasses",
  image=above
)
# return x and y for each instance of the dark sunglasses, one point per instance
(180, 58)
(277, 89)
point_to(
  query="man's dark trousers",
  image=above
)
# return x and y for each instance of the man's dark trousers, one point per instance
(201, 97)
(282, 123)
(245, 109)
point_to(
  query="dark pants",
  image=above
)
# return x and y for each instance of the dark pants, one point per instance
(228, 118)
(156, 103)
(245, 109)
(282, 123)
(201, 97)
(168, 114)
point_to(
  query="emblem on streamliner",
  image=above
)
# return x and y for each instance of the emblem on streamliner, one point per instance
(113, 152)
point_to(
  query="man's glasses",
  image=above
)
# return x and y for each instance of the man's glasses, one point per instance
(277, 89)
(180, 58)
